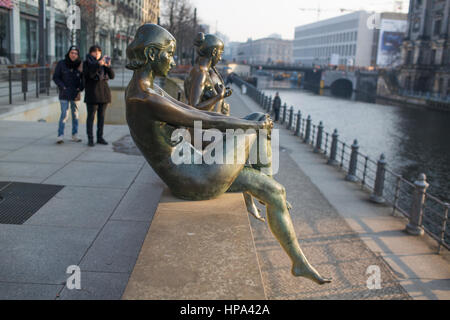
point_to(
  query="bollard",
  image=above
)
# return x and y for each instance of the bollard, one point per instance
(283, 120)
(179, 96)
(414, 227)
(333, 151)
(351, 176)
(291, 118)
(264, 101)
(308, 130)
(269, 107)
(377, 195)
(299, 123)
(10, 85)
(318, 147)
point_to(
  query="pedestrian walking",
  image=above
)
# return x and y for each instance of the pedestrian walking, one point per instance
(68, 78)
(277, 106)
(97, 72)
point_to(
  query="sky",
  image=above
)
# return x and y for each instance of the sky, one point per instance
(243, 19)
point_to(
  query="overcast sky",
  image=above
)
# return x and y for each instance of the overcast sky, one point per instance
(243, 19)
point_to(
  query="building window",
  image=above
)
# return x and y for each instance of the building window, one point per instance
(4, 35)
(28, 40)
(433, 57)
(437, 27)
(61, 42)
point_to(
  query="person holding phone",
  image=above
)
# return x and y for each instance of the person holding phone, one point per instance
(68, 78)
(97, 72)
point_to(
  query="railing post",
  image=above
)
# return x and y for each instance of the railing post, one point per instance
(299, 123)
(333, 151)
(269, 106)
(351, 176)
(291, 118)
(264, 101)
(444, 227)
(377, 195)
(10, 85)
(283, 120)
(414, 227)
(318, 147)
(179, 96)
(308, 130)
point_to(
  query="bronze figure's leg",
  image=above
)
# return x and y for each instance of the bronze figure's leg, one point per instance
(273, 195)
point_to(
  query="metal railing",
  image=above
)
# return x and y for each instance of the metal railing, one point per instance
(425, 212)
(23, 83)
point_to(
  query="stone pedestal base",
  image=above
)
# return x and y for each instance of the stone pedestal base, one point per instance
(198, 250)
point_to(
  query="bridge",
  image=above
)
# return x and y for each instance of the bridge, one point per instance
(341, 83)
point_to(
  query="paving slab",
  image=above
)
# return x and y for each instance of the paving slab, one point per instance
(97, 286)
(28, 291)
(139, 203)
(109, 157)
(78, 207)
(42, 154)
(116, 248)
(197, 250)
(94, 174)
(38, 254)
(28, 169)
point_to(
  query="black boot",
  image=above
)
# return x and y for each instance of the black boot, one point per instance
(91, 142)
(102, 141)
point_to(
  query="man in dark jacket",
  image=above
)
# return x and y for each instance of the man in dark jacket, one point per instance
(97, 72)
(68, 78)
(277, 106)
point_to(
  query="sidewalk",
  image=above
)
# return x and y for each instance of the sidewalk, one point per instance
(342, 234)
(98, 221)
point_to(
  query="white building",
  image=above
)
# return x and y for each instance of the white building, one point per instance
(263, 51)
(345, 40)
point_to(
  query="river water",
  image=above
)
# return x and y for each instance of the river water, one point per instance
(414, 141)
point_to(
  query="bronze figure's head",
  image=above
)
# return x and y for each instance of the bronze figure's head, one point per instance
(154, 47)
(209, 46)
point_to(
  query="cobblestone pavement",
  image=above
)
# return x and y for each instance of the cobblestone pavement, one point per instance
(327, 240)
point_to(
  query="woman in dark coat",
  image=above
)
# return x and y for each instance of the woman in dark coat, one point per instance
(97, 71)
(68, 78)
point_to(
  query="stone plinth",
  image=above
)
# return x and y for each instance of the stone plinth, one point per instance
(198, 250)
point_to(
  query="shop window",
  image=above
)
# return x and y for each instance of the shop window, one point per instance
(28, 41)
(5, 49)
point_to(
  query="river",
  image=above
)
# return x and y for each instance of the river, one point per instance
(414, 141)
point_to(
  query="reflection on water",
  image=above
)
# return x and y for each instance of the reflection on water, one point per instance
(413, 140)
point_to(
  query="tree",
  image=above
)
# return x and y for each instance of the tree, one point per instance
(180, 19)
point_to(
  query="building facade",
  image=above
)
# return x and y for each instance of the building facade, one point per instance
(113, 27)
(262, 51)
(426, 49)
(343, 40)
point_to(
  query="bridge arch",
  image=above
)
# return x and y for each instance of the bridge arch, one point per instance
(342, 88)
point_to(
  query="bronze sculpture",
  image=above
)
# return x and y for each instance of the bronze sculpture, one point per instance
(200, 86)
(201, 83)
(153, 116)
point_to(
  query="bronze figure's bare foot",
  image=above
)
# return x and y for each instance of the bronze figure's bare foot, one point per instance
(251, 207)
(307, 271)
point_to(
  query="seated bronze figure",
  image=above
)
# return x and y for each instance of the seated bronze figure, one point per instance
(153, 116)
(201, 84)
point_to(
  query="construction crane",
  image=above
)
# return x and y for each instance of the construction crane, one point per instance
(398, 7)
